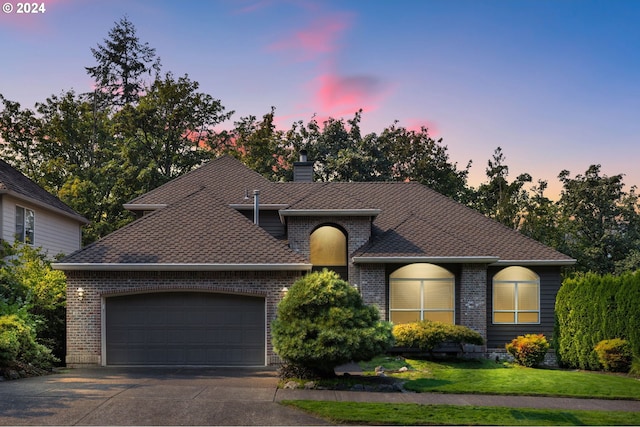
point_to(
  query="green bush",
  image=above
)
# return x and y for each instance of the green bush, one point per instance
(18, 344)
(30, 288)
(591, 308)
(528, 350)
(322, 323)
(614, 355)
(427, 335)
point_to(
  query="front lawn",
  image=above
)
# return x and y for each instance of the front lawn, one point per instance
(413, 414)
(482, 377)
(489, 377)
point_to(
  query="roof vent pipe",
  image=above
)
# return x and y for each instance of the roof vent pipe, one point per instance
(256, 207)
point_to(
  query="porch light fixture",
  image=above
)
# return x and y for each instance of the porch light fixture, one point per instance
(80, 294)
(284, 289)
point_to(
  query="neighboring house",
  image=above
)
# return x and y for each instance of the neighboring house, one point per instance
(33, 216)
(197, 278)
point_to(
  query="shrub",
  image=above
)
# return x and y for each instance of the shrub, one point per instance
(528, 350)
(322, 323)
(426, 335)
(18, 343)
(591, 308)
(614, 355)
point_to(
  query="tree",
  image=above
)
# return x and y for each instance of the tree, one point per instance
(122, 62)
(541, 219)
(258, 145)
(322, 323)
(167, 133)
(498, 198)
(415, 156)
(603, 221)
(19, 128)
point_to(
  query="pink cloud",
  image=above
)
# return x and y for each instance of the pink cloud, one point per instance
(346, 94)
(320, 38)
(418, 124)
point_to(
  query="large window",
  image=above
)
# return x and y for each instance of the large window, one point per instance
(516, 296)
(421, 292)
(25, 225)
(328, 249)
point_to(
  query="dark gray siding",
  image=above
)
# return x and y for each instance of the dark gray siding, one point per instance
(269, 221)
(499, 335)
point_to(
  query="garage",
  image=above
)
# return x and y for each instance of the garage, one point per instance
(185, 328)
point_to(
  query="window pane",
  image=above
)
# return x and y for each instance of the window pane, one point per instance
(528, 318)
(504, 318)
(398, 317)
(438, 294)
(20, 224)
(439, 316)
(29, 225)
(405, 294)
(513, 274)
(328, 246)
(528, 296)
(504, 296)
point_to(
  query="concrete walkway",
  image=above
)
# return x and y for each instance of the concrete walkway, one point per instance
(209, 396)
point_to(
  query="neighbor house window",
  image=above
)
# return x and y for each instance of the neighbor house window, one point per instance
(328, 249)
(422, 292)
(516, 296)
(25, 225)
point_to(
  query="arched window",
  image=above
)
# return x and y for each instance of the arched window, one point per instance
(422, 292)
(328, 249)
(516, 296)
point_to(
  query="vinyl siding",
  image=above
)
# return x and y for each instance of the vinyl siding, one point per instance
(55, 233)
(499, 335)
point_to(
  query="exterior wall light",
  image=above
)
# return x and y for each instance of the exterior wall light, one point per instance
(284, 289)
(80, 294)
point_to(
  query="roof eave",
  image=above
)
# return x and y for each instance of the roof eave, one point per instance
(74, 216)
(179, 267)
(429, 259)
(535, 262)
(328, 212)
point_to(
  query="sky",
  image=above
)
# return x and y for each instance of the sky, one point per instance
(555, 84)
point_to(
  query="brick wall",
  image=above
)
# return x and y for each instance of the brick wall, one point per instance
(473, 297)
(372, 284)
(358, 233)
(85, 317)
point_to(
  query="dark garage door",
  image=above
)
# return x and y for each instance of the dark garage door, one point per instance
(185, 328)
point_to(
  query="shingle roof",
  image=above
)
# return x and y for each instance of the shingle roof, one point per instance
(413, 221)
(18, 185)
(199, 229)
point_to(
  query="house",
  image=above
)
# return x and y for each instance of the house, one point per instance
(196, 279)
(31, 215)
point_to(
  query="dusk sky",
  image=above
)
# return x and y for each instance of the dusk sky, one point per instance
(556, 84)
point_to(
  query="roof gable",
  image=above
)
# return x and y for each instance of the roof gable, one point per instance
(13, 182)
(197, 230)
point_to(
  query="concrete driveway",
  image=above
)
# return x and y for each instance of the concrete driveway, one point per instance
(148, 396)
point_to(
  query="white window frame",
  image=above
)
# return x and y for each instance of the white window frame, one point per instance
(422, 310)
(516, 310)
(21, 219)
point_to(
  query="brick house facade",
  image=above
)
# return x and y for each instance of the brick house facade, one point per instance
(194, 281)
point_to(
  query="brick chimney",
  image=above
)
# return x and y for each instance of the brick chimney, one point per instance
(303, 169)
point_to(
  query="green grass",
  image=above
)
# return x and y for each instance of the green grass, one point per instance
(483, 377)
(414, 414)
(488, 377)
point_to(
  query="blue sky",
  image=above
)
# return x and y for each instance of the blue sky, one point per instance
(556, 84)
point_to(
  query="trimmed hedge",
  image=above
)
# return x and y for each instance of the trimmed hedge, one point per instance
(614, 355)
(591, 308)
(427, 335)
